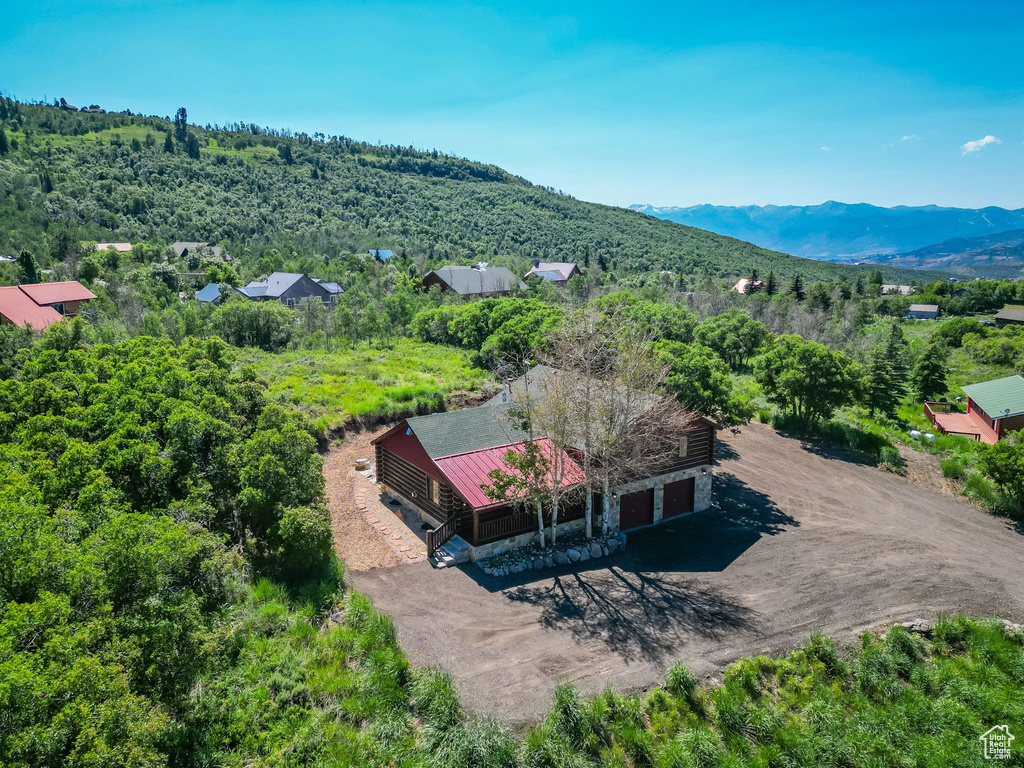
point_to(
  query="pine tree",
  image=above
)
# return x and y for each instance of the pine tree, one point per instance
(4, 146)
(192, 146)
(181, 125)
(860, 285)
(45, 182)
(770, 286)
(896, 354)
(796, 288)
(29, 268)
(880, 391)
(928, 378)
(168, 144)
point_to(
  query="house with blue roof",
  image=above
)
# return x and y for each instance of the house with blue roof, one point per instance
(381, 254)
(209, 294)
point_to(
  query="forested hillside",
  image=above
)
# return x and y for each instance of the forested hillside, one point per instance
(124, 177)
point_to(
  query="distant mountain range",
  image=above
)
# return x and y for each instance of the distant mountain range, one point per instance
(841, 231)
(991, 256)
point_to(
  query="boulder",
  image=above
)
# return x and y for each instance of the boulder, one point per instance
(538, 563)
(549, 561)
(613, 544)
(561, 558)
(605, 551)
(573, 555)
(596, 550)
(584, 554)
(920, 626)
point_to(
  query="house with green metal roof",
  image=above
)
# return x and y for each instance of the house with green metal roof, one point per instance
(998, 403)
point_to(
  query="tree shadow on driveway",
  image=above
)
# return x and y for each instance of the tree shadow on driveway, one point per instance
(634, 614)
(646, 602)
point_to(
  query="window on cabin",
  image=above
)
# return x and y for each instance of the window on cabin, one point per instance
(59, 307)
(434, 490)
(684, 446)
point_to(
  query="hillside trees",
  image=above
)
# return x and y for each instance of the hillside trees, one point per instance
(806, 378)
(928, 376)
(701, 381)
(734, 335)
(267, 325)
(126, 472)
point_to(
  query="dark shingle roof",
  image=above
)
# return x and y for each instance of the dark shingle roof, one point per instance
(1011, 314)
(471, 429)
(469, 281)
(273, 286)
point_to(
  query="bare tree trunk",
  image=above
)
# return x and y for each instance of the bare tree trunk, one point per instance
(606, 506)
(588, 515)
(540, 524)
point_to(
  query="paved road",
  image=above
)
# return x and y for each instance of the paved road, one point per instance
(803, 541)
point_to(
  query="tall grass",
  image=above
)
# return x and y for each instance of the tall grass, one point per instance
(369, 386)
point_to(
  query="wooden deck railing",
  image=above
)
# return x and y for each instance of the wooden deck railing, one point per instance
(503, 527)
(438, 536)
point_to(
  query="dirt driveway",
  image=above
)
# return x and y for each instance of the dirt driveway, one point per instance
(803, 541)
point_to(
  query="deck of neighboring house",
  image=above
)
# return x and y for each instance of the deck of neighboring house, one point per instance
(954, 423)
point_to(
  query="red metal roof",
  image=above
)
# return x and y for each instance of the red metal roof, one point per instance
(21, 310)
(468, 471)
(55, 293)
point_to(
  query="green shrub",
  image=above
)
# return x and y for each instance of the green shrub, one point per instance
(952, 468)
(889, 456)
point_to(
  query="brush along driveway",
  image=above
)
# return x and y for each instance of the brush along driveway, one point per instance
(803, 541)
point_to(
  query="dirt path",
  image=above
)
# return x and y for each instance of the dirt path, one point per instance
(358, 543)
(803, 541)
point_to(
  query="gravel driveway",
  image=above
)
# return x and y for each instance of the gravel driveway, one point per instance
(803, 541)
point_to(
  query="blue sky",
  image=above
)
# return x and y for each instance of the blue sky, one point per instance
(671, 104)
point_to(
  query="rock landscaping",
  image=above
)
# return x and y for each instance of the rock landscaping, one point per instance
(571, 548)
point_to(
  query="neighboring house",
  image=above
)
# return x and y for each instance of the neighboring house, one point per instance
(923, 311)
(209, 294)
(67, 107)
(1009, 316)
(557, 272)
(42, 304)
(437, 464)
(290, 288)
(746, 285)
(182, 249)
(994, 408)
(478, 280)
(119, 247)
(905, 290)
(381, 254)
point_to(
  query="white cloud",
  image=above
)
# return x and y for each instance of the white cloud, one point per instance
(909, 137)
(826, 149)
(974, 146)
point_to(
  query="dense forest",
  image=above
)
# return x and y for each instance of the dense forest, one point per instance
(125, 177)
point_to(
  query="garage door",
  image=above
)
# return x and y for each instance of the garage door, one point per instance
(678, 498)
(636, 509)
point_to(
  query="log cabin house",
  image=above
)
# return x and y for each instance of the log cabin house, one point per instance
(438, 465)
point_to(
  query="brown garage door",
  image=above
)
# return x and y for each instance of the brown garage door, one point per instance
(636, 509)
(678, 498)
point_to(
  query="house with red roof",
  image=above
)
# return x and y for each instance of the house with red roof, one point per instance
(441, 466)
(41, 304)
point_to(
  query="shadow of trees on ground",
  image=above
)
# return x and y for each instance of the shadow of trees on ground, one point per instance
(635, 614)
(742, 505)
